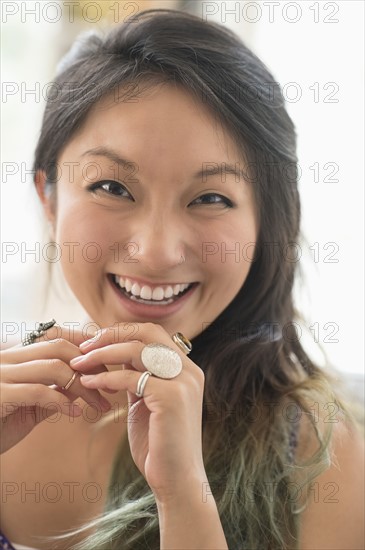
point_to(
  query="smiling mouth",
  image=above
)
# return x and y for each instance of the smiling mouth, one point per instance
(152, 302)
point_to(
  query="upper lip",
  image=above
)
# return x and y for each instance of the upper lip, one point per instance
(142, 282)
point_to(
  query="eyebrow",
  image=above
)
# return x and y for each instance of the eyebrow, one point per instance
(210, 168)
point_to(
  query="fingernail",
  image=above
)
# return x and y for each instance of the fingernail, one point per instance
(87, 377)
(86, 344)
(76, 360)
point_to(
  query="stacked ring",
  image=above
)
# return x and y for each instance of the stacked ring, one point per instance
(184, 344)
(40, 331)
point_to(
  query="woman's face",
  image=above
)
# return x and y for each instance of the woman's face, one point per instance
(146, 199)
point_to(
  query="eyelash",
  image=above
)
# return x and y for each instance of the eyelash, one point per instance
(99, 185)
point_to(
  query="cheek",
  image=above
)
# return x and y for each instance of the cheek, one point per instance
(229, 249)
(85, 244)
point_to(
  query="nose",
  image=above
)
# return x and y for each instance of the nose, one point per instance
(160, 242)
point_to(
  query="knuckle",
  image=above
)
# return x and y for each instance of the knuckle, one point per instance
(54, 363)
(154, 329)
(150, 326)
(200, 375)
(58, 341)
(198, 378)
(128, 331)
(132, 329)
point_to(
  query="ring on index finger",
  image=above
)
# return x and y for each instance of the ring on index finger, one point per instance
(40, 331)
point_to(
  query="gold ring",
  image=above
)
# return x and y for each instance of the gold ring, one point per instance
(70, 382)
(184, 344)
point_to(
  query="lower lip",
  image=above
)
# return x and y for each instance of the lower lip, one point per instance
(151, 311)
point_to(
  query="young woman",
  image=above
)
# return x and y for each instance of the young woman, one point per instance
(166, 168)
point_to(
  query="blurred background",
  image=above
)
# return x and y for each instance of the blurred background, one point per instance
(315, 51)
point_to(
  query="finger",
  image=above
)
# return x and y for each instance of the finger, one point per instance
(92, 397)
(128, 332)
(51, 349)
(52, 371)
(146, 333)
(132, 397)
(30, 395)
(121, 380)
(70, 333)
(114, 354)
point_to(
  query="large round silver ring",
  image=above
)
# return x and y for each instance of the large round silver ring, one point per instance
(142, 383)
(161, 360)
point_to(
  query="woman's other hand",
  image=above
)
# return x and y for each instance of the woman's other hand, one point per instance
(31, 382)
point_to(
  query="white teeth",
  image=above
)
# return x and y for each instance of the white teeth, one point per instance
(169, 292)
(147, 293)
(157, 293)
(136, 289)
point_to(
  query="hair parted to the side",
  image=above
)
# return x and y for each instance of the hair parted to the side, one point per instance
(252, 374)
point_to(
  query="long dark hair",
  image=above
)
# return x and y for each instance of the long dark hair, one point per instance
(254, 364)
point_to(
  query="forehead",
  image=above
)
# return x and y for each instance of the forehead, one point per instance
(163, 120)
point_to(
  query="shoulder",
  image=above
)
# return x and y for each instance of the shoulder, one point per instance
(334, 516)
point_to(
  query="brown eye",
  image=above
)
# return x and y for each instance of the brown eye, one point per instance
(110, 187)
(213, 198)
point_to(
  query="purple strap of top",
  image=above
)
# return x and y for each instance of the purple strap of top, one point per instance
(5, 544)
(293, 441)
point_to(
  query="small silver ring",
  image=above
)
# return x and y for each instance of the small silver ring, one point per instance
(142, 383)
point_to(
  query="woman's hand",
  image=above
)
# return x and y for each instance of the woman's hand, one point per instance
(164, 427)
(26, 374)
